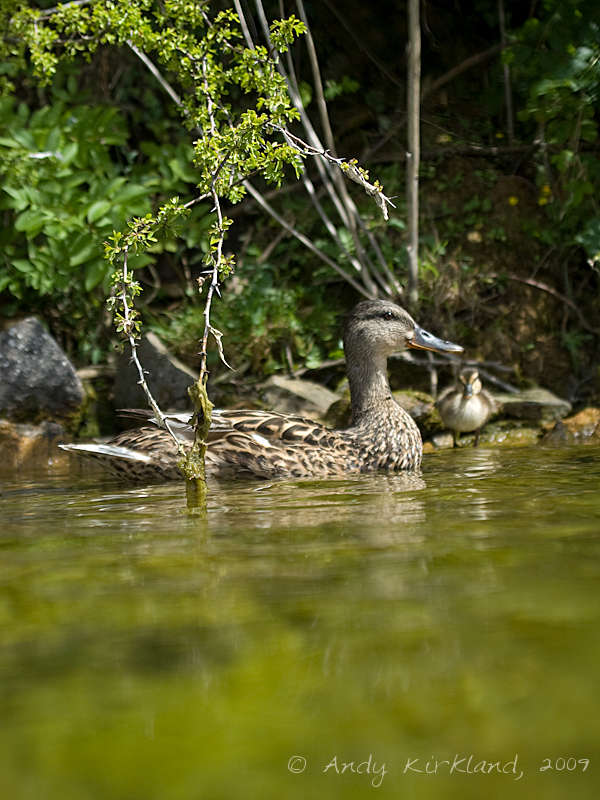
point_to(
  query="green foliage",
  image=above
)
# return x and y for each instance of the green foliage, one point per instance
(556, 60)
(66, 187)
(335, 89)
(206, 61)
(267, 316)
(232, 96)
(62, 192)
(122, 303)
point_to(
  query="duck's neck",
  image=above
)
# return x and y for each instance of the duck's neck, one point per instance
(369, 385)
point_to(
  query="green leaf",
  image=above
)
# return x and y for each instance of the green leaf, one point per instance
(98, 210)
(22, 265)
(69, 152)
(83, 254)
(95, 272)
(138, 260)
(130, 192)
(19, 196)
(31, 221)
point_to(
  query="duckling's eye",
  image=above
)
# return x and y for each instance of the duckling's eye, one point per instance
(388, 315)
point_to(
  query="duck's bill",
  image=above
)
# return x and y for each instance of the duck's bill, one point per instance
(423, 340)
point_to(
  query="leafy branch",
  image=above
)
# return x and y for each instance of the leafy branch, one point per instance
(205, 62)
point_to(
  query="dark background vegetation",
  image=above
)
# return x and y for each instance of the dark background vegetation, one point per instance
(510, 228)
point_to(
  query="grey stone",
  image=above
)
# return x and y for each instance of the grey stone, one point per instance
(536, 405)
(167, 378)
(37, 380)
(443, 441)
(295, 396)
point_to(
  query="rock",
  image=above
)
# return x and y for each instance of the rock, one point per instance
(442, 441)
(338, 413)
(583, 427)
(421, 407)
(295, 396)
(37, 380)
(496, 434)
(534, 405)
(506, 434)
(30, 445)
(167, 378)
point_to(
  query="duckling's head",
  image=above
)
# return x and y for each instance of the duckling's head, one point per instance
(380, 327)
(471, 382)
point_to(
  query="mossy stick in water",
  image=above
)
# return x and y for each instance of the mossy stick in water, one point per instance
(192, 463)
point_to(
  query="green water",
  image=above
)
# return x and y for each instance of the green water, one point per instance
(148, 653)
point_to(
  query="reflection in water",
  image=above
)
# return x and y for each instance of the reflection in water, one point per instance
(147, 652)
(356, 501)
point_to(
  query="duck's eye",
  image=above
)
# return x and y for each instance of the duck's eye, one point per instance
(388, 315)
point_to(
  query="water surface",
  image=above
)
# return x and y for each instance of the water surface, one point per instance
(385, 623)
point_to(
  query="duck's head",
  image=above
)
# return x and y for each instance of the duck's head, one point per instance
(471, 382)
(382, 328)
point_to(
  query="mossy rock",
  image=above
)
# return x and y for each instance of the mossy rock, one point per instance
(503, 433)
(583, 427)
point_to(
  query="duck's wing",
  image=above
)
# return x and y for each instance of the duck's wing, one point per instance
(269, 445)
(270, 427)
(493, 405)
(445, 394)
(240, 442)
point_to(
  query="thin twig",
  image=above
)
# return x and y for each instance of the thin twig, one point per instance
(333, 181)
(244, 26)
(150, 65)
(359, 40)
(510, 122)
(214, 282)
(318, 83)
(129, 329)
(305, 240)
(428, 90)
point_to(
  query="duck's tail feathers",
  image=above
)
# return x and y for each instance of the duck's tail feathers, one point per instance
(107, 451)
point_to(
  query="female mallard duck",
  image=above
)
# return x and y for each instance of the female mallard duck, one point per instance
(466, 407)
(382, 435)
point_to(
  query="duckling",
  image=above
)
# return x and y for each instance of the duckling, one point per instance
(265, 444)
(466, 407)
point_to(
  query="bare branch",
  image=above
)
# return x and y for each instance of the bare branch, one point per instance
(150, 65)
(129, 330)
(468, 63)
(413, 153)
(218, 255)
(510, 122)
(245, 29)
(318, 83)
(305, 241)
